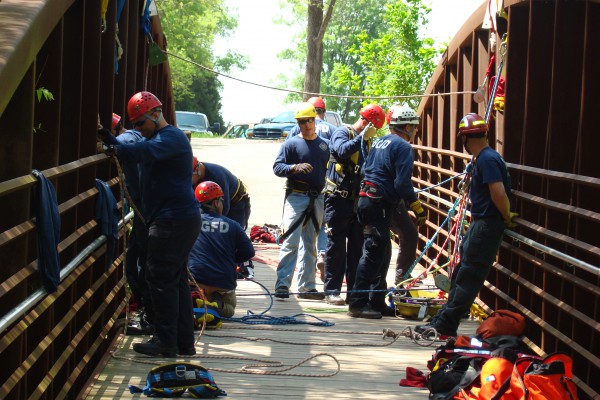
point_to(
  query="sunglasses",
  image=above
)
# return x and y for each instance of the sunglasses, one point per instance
(306, 121)
(140, 122)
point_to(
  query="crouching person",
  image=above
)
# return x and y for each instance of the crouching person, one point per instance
(220, 246)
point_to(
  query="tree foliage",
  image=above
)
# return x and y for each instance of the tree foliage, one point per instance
(191, 28)
(370, 50)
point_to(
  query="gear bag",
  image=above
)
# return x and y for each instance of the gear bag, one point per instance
(535, 379)
(174, 379)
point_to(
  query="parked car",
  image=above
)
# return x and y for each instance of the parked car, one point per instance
(193, 122)
(281, 125)
(238, 130)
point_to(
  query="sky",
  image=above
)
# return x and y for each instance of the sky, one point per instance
(261, 39)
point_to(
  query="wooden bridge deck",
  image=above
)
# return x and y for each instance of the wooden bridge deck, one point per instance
(369, 366)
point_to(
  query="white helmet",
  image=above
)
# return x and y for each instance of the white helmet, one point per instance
(401, 115)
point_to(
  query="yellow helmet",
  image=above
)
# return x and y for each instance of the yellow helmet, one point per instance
(305, 110)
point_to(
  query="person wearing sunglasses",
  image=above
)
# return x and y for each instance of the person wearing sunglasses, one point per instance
(324, 129)
(303, 161)
(172, 217)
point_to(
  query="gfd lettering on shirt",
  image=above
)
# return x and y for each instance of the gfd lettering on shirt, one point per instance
(381, 144)
(215, 226)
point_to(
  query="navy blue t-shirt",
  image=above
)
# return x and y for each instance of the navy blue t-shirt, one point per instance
(489, 167)
(224, 178)
(164, 162)
(297, 150)
(220, 246)
(389, 165)
(323, 128)
(130, 168)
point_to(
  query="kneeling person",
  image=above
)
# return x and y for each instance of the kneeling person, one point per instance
(220, 246)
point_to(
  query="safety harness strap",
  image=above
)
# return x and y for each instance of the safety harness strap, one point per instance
(307, 214)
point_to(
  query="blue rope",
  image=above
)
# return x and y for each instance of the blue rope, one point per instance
(429, 243)
(252, 318)
(440, 184)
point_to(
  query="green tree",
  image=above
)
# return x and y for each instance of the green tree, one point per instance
(191, 28)
(369, 51)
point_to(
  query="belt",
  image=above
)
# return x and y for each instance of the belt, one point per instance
(240, 193)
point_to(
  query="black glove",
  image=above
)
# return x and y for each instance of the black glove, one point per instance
(103, 133)
(109, 150)
(304, 168)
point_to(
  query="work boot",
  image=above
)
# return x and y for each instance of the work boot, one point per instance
(154, 347)
(364, 312)
(386, 311)
(311, 294)
(186, 350)
(282, 292)
(335, 299)
(140, 327)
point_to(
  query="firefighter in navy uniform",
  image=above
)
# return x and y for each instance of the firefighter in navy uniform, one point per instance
(172, 218)
(236, 201)
(344, 247)
(490, 214)
(220, 246)
(387, 181)
(402, 225)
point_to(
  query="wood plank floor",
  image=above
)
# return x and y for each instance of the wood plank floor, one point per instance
(369, 367)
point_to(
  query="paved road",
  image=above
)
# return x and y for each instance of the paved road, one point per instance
(252, 162)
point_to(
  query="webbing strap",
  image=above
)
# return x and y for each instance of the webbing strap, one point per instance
(307, 214)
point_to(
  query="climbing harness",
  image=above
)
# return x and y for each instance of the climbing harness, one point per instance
(308, 214)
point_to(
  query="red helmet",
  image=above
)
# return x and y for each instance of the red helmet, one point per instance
(207, 191)
(374, 114)
(317, 102)
(195, 162)
(115, 120)
(140, 103)
(472, 124)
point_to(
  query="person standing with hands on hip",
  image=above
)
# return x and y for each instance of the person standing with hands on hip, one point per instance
(387, 182)
(490, 214)
(303, 161)
(172, 218)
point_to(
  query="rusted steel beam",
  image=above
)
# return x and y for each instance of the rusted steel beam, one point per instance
(27, 181)
(19, 44)
(553, 205)
(560, 237)
(559, 176)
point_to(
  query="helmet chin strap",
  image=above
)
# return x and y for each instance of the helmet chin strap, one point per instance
(156, 120)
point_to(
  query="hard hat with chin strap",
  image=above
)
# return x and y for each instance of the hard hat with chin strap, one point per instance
(472, 125)
(207, 191)
(317, 102)
(374, 114)
(305, 110)
(141, 103)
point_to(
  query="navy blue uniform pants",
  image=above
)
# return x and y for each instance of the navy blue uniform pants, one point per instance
(169, 245)
(135, 269)
(478, 253)
(375, 217)
(344, 243)
(240, 212)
